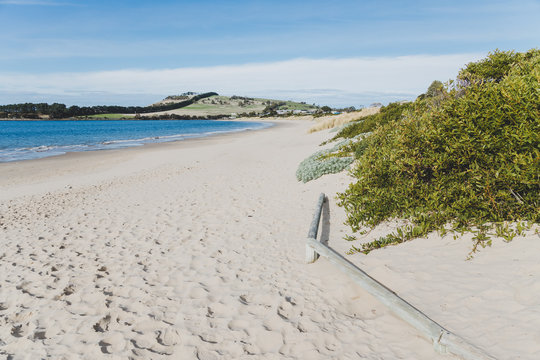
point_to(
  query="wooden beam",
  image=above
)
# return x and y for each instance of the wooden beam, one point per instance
(311, 255)
(444, 341)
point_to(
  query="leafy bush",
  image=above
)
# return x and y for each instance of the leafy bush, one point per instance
(323, 162)
(391, 112)
(472, 161)
(493, 68)
(436, 88)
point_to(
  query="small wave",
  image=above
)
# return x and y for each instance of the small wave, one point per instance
(41, 151)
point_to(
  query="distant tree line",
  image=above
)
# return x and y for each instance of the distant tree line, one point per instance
(272, 107)
(61, 111)
(245, 98)
(181, 117)
(182, 96)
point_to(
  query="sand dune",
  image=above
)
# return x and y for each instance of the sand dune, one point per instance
(195, 250)
(331, 121)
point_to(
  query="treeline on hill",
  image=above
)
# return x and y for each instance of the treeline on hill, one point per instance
(271, 107)
(180, 117)
(60, 111)
(464, 156)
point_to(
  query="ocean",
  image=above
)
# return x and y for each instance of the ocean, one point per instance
(25, 140)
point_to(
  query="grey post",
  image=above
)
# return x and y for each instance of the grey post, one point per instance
(311, 254)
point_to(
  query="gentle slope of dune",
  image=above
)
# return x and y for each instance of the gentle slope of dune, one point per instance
(331, 121)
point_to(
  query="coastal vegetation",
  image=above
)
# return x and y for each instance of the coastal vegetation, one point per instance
(61, 111)
(337, 122)
(184, 106)
(391, 112)
(464, 156)
(323, 162)
(110, 117)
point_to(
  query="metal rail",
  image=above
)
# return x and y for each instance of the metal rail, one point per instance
(444, 341)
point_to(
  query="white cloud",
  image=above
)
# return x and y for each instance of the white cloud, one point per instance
(329, 81)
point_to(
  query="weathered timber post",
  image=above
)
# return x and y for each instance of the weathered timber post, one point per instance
(311, 254)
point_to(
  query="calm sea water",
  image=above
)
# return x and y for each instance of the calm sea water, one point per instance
(23, 140)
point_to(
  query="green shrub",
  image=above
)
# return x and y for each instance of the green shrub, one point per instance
(472, 161)
(323, 162)
(354, 147)
(493, 68)
(391, 112)
(435, 89)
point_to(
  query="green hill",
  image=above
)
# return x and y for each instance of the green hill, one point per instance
(232, 105)
(188, 105)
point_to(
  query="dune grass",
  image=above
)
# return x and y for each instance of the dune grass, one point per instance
(331, 121)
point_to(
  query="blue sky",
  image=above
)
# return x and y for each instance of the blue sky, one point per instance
(61, 50)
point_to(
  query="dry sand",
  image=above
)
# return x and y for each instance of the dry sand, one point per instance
(195, 249)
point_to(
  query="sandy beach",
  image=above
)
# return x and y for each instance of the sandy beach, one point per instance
(195, 250)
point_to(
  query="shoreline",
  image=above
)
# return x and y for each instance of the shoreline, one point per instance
(224, 117)
(267, 124)
(109, 119)
(26, 173)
